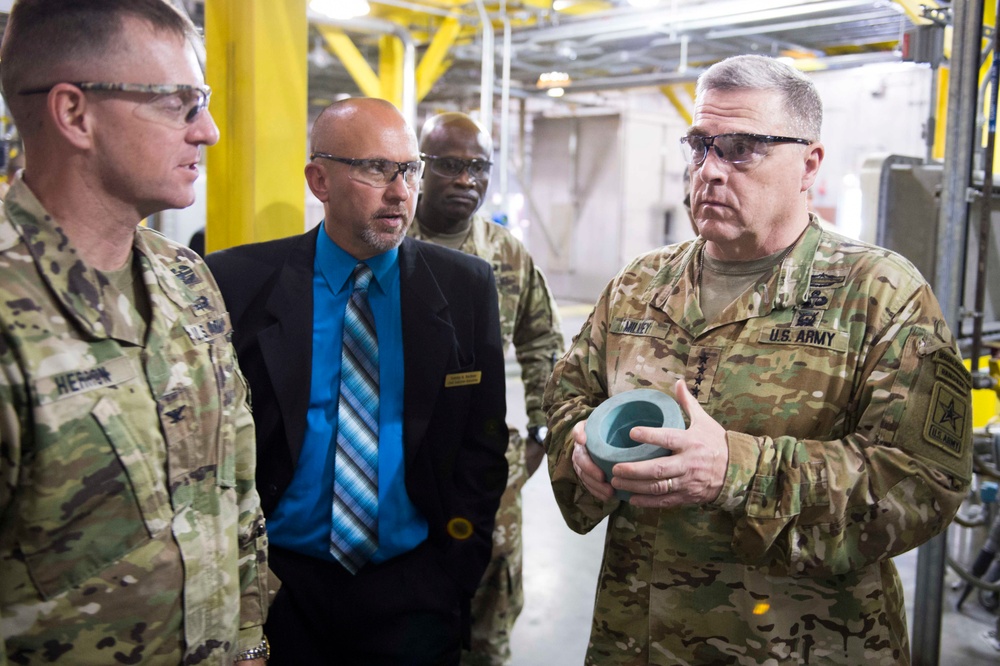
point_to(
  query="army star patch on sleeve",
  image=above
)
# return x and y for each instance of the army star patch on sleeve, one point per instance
(945, 424)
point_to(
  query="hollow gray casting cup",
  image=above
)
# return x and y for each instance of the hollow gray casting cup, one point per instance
(608, 428)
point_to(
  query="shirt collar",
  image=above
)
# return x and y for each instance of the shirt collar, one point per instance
(336, 264)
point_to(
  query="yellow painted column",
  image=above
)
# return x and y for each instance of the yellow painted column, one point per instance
(390, 69)
(257, 68)
(941, 104)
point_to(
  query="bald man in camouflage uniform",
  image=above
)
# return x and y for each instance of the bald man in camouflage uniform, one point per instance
(829, 412)
(457, 152)
(130, 527)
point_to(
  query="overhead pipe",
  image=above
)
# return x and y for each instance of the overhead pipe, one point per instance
(688, 18)
(505, 110)
(692, 73)
(381, 27)
(691, 21)
(486, 91)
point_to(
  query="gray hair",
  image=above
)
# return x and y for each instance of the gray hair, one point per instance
(755, 72)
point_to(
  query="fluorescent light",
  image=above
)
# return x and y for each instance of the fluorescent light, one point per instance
(555, 92)
(559, 5)
(340, 9)
(550, 79)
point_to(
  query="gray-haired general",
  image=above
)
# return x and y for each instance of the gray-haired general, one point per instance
(829, 417)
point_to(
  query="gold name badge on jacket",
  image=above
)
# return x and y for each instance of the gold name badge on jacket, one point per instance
(463, 378)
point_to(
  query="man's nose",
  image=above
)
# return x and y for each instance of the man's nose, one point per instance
(398, 190)
(712, 168)
(465, 178)
(204, 130)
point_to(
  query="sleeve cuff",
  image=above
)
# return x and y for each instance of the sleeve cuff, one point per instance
(744, 452)
(250, 637)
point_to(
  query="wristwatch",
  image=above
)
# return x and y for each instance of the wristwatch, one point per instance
(538, 433)
(262, 651)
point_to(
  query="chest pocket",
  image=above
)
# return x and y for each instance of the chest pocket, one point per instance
(644, 351)
(95, 492)
(197, 391)
(775, 368)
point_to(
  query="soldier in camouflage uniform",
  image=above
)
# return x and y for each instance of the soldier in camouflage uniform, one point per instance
(829, 412)
(457, 152)
(130, 527)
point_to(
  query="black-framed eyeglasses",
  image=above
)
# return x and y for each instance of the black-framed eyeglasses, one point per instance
(377, 172)
(734, 147)
(174, 104)
(452, 167)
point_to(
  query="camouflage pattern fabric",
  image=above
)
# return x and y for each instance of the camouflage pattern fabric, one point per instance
(130, 527)
(530, 321)
(848, 421)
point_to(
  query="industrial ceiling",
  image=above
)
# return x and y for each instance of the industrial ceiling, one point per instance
(607, 45)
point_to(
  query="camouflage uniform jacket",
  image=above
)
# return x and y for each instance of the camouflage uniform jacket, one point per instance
(130, 527)
(847, 413)
(528, 315)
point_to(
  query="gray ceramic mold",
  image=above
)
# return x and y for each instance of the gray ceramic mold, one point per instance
(608, 428)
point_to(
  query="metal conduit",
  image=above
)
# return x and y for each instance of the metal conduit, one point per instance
(505, 110)
(686, 18)
(963, 92)
(486, 92)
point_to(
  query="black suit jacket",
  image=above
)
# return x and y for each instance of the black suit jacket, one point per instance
(454, 437)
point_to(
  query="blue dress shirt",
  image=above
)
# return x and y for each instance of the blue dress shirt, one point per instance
(302, 519)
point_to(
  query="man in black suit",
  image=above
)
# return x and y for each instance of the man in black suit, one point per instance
(439, 414)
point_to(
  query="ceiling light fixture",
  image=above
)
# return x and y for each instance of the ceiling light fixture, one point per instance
(340, 9)
(555, 92)
(552, 80)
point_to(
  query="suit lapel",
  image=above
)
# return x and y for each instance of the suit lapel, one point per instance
(286, 344)
(428, 343)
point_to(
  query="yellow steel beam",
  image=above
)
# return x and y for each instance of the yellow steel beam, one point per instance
(432, 65)
(679, 104)
(390, 69)
(354, 62)
(941, 114)
(912, 8)
(581, 7)
(257, 68)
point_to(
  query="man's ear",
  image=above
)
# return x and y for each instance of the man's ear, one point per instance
(68, 110)
(813, 158)
(318, 181)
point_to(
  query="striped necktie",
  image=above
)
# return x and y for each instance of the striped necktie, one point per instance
(354, 537)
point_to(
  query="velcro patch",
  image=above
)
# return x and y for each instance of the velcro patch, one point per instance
(808, 317)
(945, 424)
(948, 368)
(703, 362)
(66, 384)
(819, 298)
(834, 278)
(207, 330)
(647, 327)
(806, 335)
